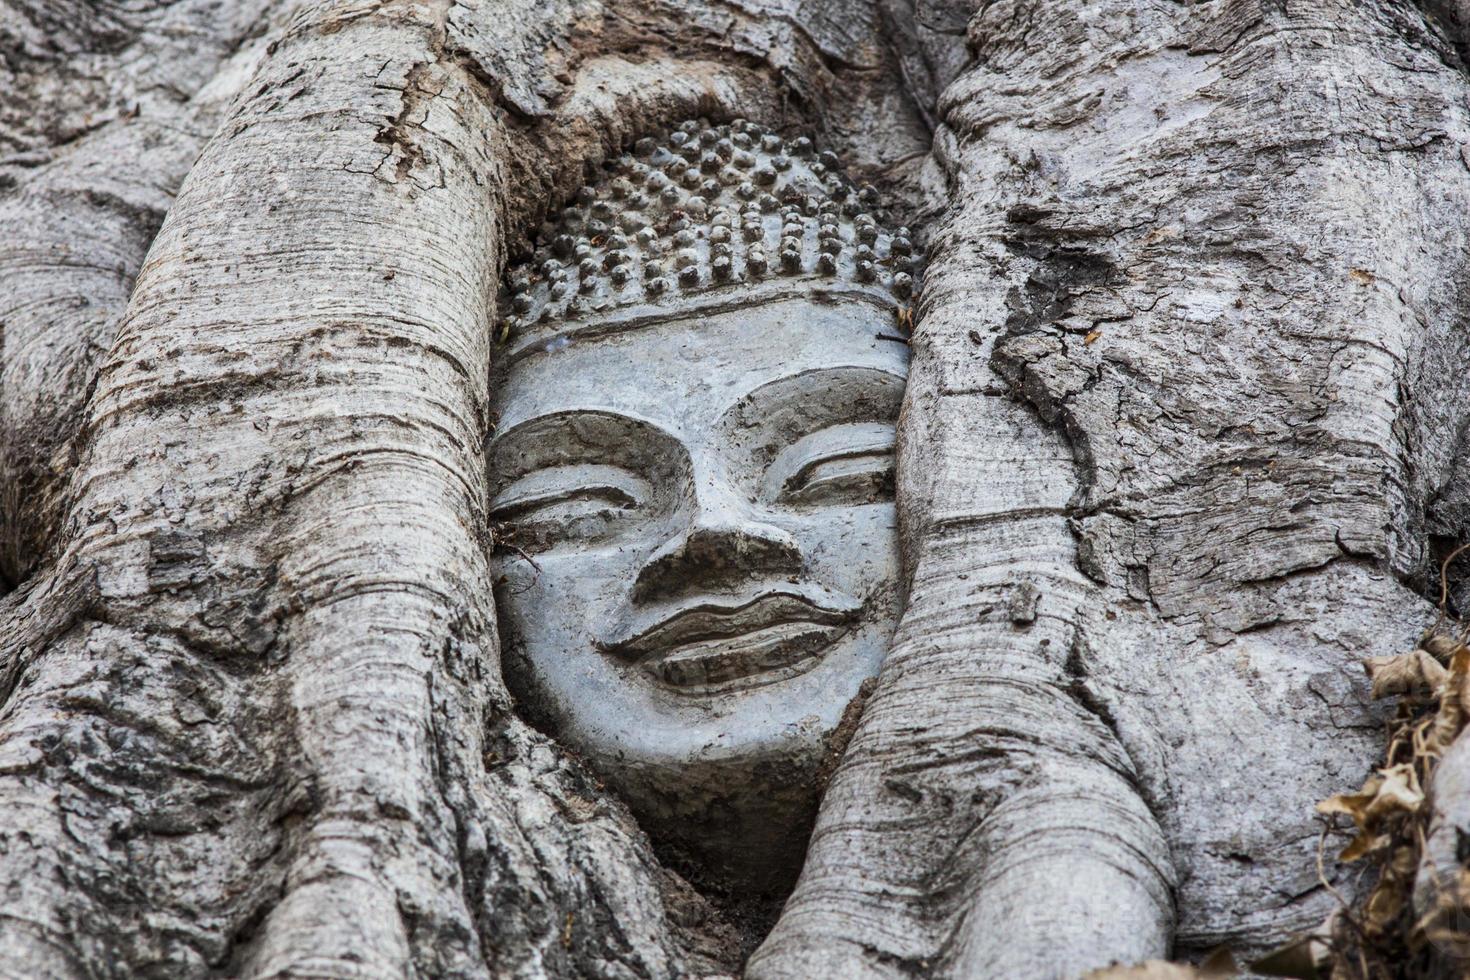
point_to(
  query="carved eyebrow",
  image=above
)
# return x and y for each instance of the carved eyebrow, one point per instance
(823, 395)
(533, 426)
(571, 435)
(610, 415)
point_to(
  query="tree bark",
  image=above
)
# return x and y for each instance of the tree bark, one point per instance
(255, 722)
(1181, 444)
(1192, 241)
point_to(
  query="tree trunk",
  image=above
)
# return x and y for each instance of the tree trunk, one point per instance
(1194, 243)
(1181, 445)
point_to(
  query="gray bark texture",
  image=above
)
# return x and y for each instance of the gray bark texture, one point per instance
(1183, 442)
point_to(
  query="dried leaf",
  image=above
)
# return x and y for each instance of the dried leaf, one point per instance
(1354, 805)
(1444, 729)
(1440, 646)
(1372, 937)
(1404, 862)
(1454, 696)
(1218, 965)
(1399, 792)
(1394, 790)
(1091, 337)
(1408, 673)
(1383, 908)
(1456, 685)
(1361, 845)
(1302, 958)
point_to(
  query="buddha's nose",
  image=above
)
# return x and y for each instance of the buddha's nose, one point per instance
(722, 544)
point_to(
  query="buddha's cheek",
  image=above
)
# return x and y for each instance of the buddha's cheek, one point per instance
(851, 550)
(554, 612)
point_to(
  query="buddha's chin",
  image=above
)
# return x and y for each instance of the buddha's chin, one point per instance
(725, 784)
(738, 824)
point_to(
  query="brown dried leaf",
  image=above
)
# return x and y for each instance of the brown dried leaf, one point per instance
(1394, 790)
(1361, 845)
(1460, 661)
(1304, 958)
(1384, 906)
(1219, 964)
(1399, 792)
(1454, 698)
(1308, 956)
(1407, 673)
(1404, 862)
(1354, 805)
(1390, 814)
(1458, 684)
(1440, 646)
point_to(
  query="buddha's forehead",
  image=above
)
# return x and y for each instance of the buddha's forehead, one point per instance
(684, 373)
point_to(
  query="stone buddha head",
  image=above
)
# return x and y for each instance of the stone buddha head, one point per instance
(692, 478)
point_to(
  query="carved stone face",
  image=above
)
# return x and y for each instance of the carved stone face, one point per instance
(699, 561)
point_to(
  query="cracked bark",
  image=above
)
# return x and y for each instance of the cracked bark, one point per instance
(1181, 443)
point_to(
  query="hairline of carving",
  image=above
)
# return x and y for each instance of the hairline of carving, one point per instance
(530, 343)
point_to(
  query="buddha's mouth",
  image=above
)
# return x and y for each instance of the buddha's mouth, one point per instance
(711, 646)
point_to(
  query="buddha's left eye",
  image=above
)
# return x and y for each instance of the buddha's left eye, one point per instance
(844, 464)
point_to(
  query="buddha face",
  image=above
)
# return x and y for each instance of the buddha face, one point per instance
(698, 561)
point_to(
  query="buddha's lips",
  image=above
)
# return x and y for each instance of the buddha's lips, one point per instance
(708, 644)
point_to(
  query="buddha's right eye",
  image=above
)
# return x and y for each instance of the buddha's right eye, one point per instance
(567, 503)
(842, 465)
